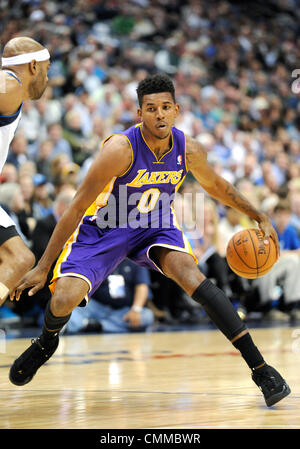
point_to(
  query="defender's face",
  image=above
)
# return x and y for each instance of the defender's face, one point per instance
(158, 113)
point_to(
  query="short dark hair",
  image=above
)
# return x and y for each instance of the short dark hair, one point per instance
(283, 206)
(154, 84)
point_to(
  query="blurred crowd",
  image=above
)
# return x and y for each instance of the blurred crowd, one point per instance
(234, 70)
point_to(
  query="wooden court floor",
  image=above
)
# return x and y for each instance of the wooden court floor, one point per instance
(192, 379)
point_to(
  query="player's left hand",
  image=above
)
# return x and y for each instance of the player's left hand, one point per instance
(268, 231)
(35, 279)
(133, 317)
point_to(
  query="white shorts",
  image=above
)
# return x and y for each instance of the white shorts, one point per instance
(5, 219)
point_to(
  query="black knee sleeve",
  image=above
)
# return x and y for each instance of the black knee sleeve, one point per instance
(219, 309)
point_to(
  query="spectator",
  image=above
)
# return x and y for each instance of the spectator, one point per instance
(9, 173)
(33, 306)
(285, 273)
(295, 210)
(206, 247)
(42, 201)
(28, 168)
(228, 226)
(43, 158)
(57, 167)
(18, 151)
(287, 234)
(12, 201)
(73, 133)
(30, 125)
(60, 145)
(28, 189)
(70, 174)
(232, 74)
(118, 305)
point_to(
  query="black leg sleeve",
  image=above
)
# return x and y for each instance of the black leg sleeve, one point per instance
(219, 308)
(53, 324)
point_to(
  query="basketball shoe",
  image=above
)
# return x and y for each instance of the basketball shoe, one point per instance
(25, 367)
(272, 385)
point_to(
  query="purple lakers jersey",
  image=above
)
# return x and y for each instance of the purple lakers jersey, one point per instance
(133, 214)
(143, 195)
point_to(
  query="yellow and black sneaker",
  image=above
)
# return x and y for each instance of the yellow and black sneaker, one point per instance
(25, 366)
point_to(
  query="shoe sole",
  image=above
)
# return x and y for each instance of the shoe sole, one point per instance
(20, 383)
(278, 396)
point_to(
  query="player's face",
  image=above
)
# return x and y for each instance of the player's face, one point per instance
(40, 81)
(158, 113)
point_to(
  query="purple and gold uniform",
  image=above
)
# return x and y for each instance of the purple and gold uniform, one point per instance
(131, 215)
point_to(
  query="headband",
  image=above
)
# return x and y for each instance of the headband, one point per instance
(41, 55)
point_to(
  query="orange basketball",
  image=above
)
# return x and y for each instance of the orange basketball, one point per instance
(248, 255)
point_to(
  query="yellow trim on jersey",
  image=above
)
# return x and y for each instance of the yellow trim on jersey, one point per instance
(185, 158)
(70, 274)
(179, 184)
(92, 209)
(65, 252)
(187, 245)
(175, 222)
(174, 247)
(62, 258)
(102, 198)
(100, 201)
(157, 160)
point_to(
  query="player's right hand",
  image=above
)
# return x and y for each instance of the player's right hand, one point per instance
(35, 278)
(268, 230)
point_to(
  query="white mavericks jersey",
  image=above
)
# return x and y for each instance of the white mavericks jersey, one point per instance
(8, 126)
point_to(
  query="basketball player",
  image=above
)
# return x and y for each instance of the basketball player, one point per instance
(150, 161)
(23, 76)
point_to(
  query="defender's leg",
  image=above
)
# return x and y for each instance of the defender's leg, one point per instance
(15, 260)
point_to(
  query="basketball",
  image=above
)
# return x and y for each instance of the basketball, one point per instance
(248, 256)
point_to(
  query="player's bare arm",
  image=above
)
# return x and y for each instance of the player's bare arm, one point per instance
(222, 190)
(113, 160)
(11, 94)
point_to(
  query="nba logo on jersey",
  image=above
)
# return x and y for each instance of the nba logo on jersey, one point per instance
(179, 159)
